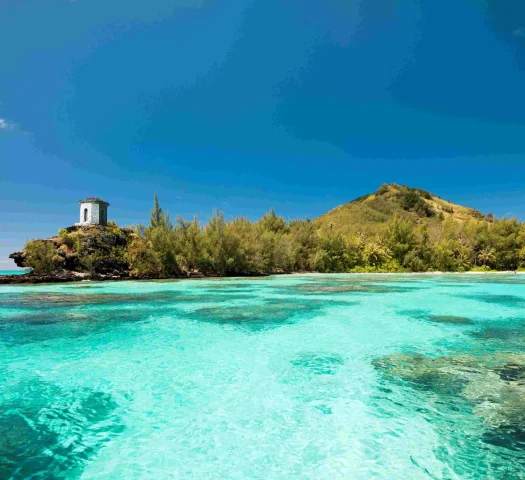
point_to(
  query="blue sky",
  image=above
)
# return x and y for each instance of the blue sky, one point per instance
(248, 104)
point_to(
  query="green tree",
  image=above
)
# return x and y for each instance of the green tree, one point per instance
(487, 256)
(158, 219)
(273, 222)
(376, 253)
(40, 256)
(221, 246)
(444, 258)
(189, 244)
(271, 244)
(142, 259)
(401, 239)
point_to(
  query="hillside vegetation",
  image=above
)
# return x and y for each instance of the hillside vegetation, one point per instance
(396, 229)
(372, 213)
(92, 249)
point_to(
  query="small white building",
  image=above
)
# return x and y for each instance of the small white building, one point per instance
(93, 211)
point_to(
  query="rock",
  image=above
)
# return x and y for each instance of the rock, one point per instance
(494, 385)
(18, 258)
(39, 278)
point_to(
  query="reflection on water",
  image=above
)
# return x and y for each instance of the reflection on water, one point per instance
(302, 376)
(318, 363)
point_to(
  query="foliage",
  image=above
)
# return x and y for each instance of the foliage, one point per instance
(383, 189)
(67, 238)
(394, 230)
(390, 241)
(40, 255)
(412, 200)
(142, 259)
(482, 268)
(487, 256)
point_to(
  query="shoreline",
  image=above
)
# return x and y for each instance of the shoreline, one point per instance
(38, 279)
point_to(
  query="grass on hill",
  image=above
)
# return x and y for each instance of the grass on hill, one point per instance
(370, 214)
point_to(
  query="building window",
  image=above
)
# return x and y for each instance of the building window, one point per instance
(85, 214)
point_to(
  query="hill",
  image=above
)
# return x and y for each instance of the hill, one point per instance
(371, 214)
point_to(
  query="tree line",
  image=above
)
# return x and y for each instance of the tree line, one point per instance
(272, 244)
(221, 247)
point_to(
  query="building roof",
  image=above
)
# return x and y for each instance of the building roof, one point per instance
(94, 200)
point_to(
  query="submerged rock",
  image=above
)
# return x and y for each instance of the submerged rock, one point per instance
(269, 314)
(512, 301)
(46, 429)
(426, 315)
(339, 287)
(449, 319)
(493, 384)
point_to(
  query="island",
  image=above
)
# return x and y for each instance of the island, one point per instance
(395, 229)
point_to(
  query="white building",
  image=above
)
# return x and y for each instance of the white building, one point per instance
(93, 211)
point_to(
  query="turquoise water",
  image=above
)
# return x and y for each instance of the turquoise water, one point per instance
(286, 377)
(13, 272)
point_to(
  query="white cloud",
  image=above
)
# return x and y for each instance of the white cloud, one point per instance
(8, 125)
(519, 32)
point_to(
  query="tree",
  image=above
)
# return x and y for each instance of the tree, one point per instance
(273, 222)
(487, 256)
(40, 256)
(142, 259)
(304, 240)
(444, 258)
(521, 256)
(189, 243)
(222, 246)
(375, 253)
(401, 238)
(271, 244)
(158, 218)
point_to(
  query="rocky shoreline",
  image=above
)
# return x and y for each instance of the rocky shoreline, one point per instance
(69, 277)
(33, 278)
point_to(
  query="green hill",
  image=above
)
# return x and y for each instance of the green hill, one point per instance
(372, 213)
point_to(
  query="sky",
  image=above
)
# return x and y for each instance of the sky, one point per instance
(300, 105)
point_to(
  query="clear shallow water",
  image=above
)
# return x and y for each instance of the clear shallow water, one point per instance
(307, 376)
(13, 272)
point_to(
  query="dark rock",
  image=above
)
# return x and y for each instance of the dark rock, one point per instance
(18, 258)
(40, 278)
(493, 384)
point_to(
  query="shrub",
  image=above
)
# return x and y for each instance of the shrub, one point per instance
(481, 268)
(39, 256)
(425, 194)
(67, 238)
(383, 189)
(411, 201)
(142, 259)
